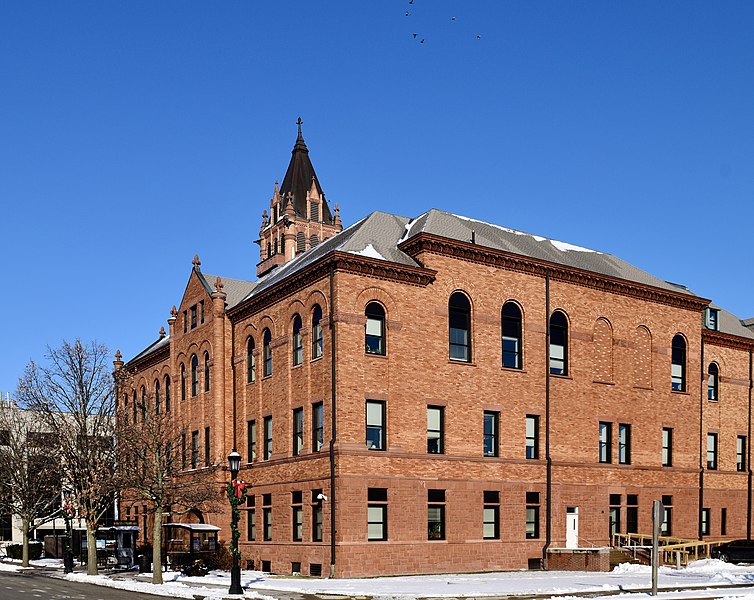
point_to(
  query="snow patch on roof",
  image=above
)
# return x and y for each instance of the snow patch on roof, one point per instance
(409, 226)
(566, 247)
(369, 251)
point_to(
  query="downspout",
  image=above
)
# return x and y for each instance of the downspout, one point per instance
(548, 493)
(233, 375)
(333, 421)
(748, 452)
(703, 448)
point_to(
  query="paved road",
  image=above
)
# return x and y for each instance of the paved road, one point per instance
(15, 586)
(34, 584)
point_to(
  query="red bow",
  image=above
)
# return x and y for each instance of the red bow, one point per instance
(238, 488)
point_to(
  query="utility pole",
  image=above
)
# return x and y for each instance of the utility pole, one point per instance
(658, 516)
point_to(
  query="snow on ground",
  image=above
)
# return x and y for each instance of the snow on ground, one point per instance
(623, 580)
(172, 589)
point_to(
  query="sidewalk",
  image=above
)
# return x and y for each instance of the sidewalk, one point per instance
(702, 579)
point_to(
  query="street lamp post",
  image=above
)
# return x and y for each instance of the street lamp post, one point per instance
(234, 463)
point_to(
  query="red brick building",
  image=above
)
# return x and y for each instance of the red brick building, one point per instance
(440, 394)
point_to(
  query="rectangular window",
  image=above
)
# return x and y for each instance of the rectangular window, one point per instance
(667, 524)
(532, 515)
(183, 451)
(251, 441)
(298, 431)
(267, 516)
(606, 442)
(741, 453)
(377, 514)
(297, 514)
(632, 513)
(491, 433)
(491, 515)
(532, 437)
(317, 427)
(316, 515)
(201, 312)
(723, 521)
(435, 514)
(705, 524)
(624, 444)
(615, 502)
(435, 429)
(207, 452)
(194, 449)
(193, 316)
(711, 318)
(185, 321)
(251, 525)
(712, 451)
(667, 447)
(375, 425)
(267, 438)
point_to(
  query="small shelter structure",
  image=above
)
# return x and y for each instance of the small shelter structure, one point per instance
(187, 543)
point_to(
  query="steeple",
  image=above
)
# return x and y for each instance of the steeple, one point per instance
(300, 217)
(299, 177)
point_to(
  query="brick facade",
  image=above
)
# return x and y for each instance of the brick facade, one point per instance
(619, 372)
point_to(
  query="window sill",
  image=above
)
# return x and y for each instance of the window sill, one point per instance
(317, 358)
(374, 355)
(569, 377)
(298, 366)
(600, 382)
(512, 370)
(266, 376)
(452, 361)
(680, 393)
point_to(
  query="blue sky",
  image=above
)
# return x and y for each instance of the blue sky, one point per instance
(136, 134)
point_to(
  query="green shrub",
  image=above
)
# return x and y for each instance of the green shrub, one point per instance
(16, 550)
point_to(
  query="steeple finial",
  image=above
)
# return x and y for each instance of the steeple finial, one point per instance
(162, 332)
(300, 123)
(196, 262)
(174, 312)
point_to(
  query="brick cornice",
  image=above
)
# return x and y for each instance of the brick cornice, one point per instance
(434, 244)
(726, 340)
(342, 262)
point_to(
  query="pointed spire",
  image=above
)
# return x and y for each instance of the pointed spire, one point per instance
(336, 221)
(196, 262)
(300, 144)
(174, 312)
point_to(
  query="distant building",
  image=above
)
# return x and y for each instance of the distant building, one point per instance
(439, 394)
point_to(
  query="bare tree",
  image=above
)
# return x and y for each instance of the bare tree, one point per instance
(73, 394)
(148, 468)
(30, 478)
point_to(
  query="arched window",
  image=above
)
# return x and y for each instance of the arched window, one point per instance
(167, 393)
(713, 381)
(251, 370)
(143, 403)
(136, 408)
(314, 241)
(678, 366)
(269, 249)
(194, 375)
(300, 242)
(317, 343)
(282, 244)
(266, 353)
(298, 342)
(275, 247)
(206, 371)
(183, 382)
(558, 343)
(512, 336)
(459, 327)
(157, 397)
(375, 329)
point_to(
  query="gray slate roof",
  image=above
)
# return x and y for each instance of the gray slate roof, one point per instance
(460, 228)
(732, 325)
(153, 347)
(235, 289)
(377, 236)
